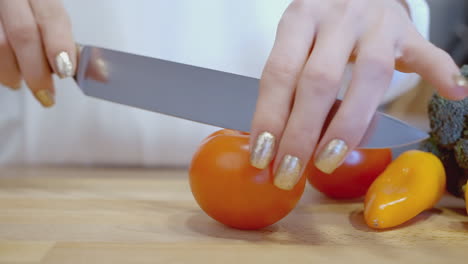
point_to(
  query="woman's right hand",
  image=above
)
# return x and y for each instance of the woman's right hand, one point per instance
(35, 41)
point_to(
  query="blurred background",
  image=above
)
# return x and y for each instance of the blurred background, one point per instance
(449, 28)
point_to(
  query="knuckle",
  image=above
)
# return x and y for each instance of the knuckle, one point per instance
(378, 66)
(47, 19)
(322, 76)
(281, 69)
(309, 9)
(349, 10)
(322, 79)
(344, 7)
(300, 5)
(354, 125)
(22, 33)
(320, 90)
(43, 18)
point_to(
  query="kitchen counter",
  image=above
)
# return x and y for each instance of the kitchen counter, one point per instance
(100, 215)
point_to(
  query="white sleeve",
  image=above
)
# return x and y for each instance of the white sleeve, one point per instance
(403, 82)
(419, 13)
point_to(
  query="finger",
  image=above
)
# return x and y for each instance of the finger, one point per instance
(23, 35)
(318, 87)
(98, 69)
(10, 75)
(56, 30)
(372, 76)
(294, 39)
(434, 65)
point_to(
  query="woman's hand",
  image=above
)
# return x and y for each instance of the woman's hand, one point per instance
(35, 41)
(302, 77)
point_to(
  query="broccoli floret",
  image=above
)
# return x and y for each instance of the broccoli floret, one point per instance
(464, 70)
(447, 120)
(456, 176)
(430, 145)
(449, 138)
(461, 153)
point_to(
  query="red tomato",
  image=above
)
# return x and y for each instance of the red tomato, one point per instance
(354, 176)
(233, 192)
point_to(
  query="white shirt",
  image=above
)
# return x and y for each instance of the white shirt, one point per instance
(232, 36)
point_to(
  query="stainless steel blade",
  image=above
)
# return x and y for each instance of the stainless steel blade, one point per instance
(202, 95)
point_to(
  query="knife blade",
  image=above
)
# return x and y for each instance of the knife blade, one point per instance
(212, 97)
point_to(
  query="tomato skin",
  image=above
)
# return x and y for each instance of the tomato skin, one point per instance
(224, 132)
(353, 178)
(233, 192)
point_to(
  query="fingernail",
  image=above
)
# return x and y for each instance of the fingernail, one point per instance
(331, 156)
(288, 173)
(461, 80)
(45, 97)
(262, 153)
(64, 65)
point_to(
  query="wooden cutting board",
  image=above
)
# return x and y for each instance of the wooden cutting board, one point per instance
(65, 215)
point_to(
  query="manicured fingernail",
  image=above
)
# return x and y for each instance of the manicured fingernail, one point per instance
(461, 81)
(64, 65)
(288, 173)
(45, 97)
(331, 156)
(262, 153)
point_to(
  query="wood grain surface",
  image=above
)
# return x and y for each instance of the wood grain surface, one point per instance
(67, 215)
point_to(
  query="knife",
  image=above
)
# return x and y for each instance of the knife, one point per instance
(199, 94)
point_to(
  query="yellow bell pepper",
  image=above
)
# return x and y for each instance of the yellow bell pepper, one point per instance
(412, 183)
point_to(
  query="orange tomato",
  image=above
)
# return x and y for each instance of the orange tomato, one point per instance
(233, 192)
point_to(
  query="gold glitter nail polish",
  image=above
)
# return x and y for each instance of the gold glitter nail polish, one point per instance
(45, 97)
(288, 173)
(262, 153)
(461, 80)
(331, 156)
(64, 65)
